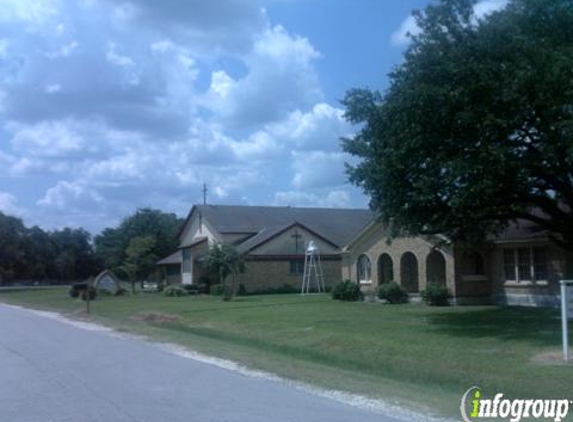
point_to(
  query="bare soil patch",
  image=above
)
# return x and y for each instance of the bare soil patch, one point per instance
(158, 318)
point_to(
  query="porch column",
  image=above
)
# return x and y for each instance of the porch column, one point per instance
(187, 267)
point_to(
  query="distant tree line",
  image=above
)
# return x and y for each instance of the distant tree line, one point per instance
(36, 254)
(131, 249)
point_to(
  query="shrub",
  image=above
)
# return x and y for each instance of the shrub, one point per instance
(347, 291)
(175, 291)
(160, 286)
(242, 290)
(92, 293)
(193, 289)
(392, 293)
(435, 295)
(104, 292)
(205, 283)
(217, 290)
(227, 293)
(74, 292)
(77, 288)
(121, 291)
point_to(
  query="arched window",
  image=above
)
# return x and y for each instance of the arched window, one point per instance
(436, 268)
(409, 272)
(364, 269)
(385, 269)
(479, 267)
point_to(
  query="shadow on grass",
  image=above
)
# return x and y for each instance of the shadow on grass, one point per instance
(530, 325)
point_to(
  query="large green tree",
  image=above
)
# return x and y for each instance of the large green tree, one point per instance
(112, 244)
(476, 127)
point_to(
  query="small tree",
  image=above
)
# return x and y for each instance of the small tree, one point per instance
(139, 255)
(225, 261)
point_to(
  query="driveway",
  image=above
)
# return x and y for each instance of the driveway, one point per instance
(54, 371)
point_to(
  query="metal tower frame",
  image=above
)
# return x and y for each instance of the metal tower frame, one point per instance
(312, 267)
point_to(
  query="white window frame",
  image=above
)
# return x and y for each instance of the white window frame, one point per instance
(517, 279)
(364, 258)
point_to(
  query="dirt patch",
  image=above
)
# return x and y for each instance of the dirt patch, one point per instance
(552, 358)
(158, 318)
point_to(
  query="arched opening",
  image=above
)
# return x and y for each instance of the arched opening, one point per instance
(409, 272)
(436, 268)
(364, 269)
(385, 269)
(479, 267)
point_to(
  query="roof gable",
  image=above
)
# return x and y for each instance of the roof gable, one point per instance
(335, 225)
(265, 236)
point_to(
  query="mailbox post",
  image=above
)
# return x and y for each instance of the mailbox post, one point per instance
(566, 313)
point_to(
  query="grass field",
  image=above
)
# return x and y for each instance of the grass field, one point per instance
(412, 355)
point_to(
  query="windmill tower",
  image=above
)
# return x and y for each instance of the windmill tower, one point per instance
(312, 273)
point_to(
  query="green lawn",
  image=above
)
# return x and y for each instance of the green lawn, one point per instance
(412, 355)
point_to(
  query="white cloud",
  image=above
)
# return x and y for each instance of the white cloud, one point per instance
(281, 77)
(36, 166)
(49, 138)
(408, 26)
(34, 13)
(319, 129)
(128, 65)
(318, 169)
(52, 88)
(485, 7)
(173, 95)
(70, 196)
(63, 51)
(333, 199)
(8, 204)
(212, 28)
(221, 83)
(4, 44)
(6, 158)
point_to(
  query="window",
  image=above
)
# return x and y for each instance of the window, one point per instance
(296, 267)
(186, 260)
(364, 269)
(525, 264)
(509, 264)
(540, 268)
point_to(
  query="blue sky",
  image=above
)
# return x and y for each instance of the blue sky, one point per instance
(110, 105)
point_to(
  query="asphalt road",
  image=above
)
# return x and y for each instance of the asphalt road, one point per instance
(51, 371)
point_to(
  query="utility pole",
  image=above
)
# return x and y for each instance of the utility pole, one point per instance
(205, 190)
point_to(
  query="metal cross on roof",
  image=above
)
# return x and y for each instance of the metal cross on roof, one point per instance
(296, 236)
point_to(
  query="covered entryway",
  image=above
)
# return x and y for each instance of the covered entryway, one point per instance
(409, 272)
(436, 268)
(385, 269)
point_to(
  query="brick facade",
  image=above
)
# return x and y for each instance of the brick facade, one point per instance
(375, 242)
(272, 273)
(472, 275)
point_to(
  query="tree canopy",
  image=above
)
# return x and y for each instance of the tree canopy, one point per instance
(139, 255)
(476, 127)
(35, 254)
(224, 260)
(156, 232)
